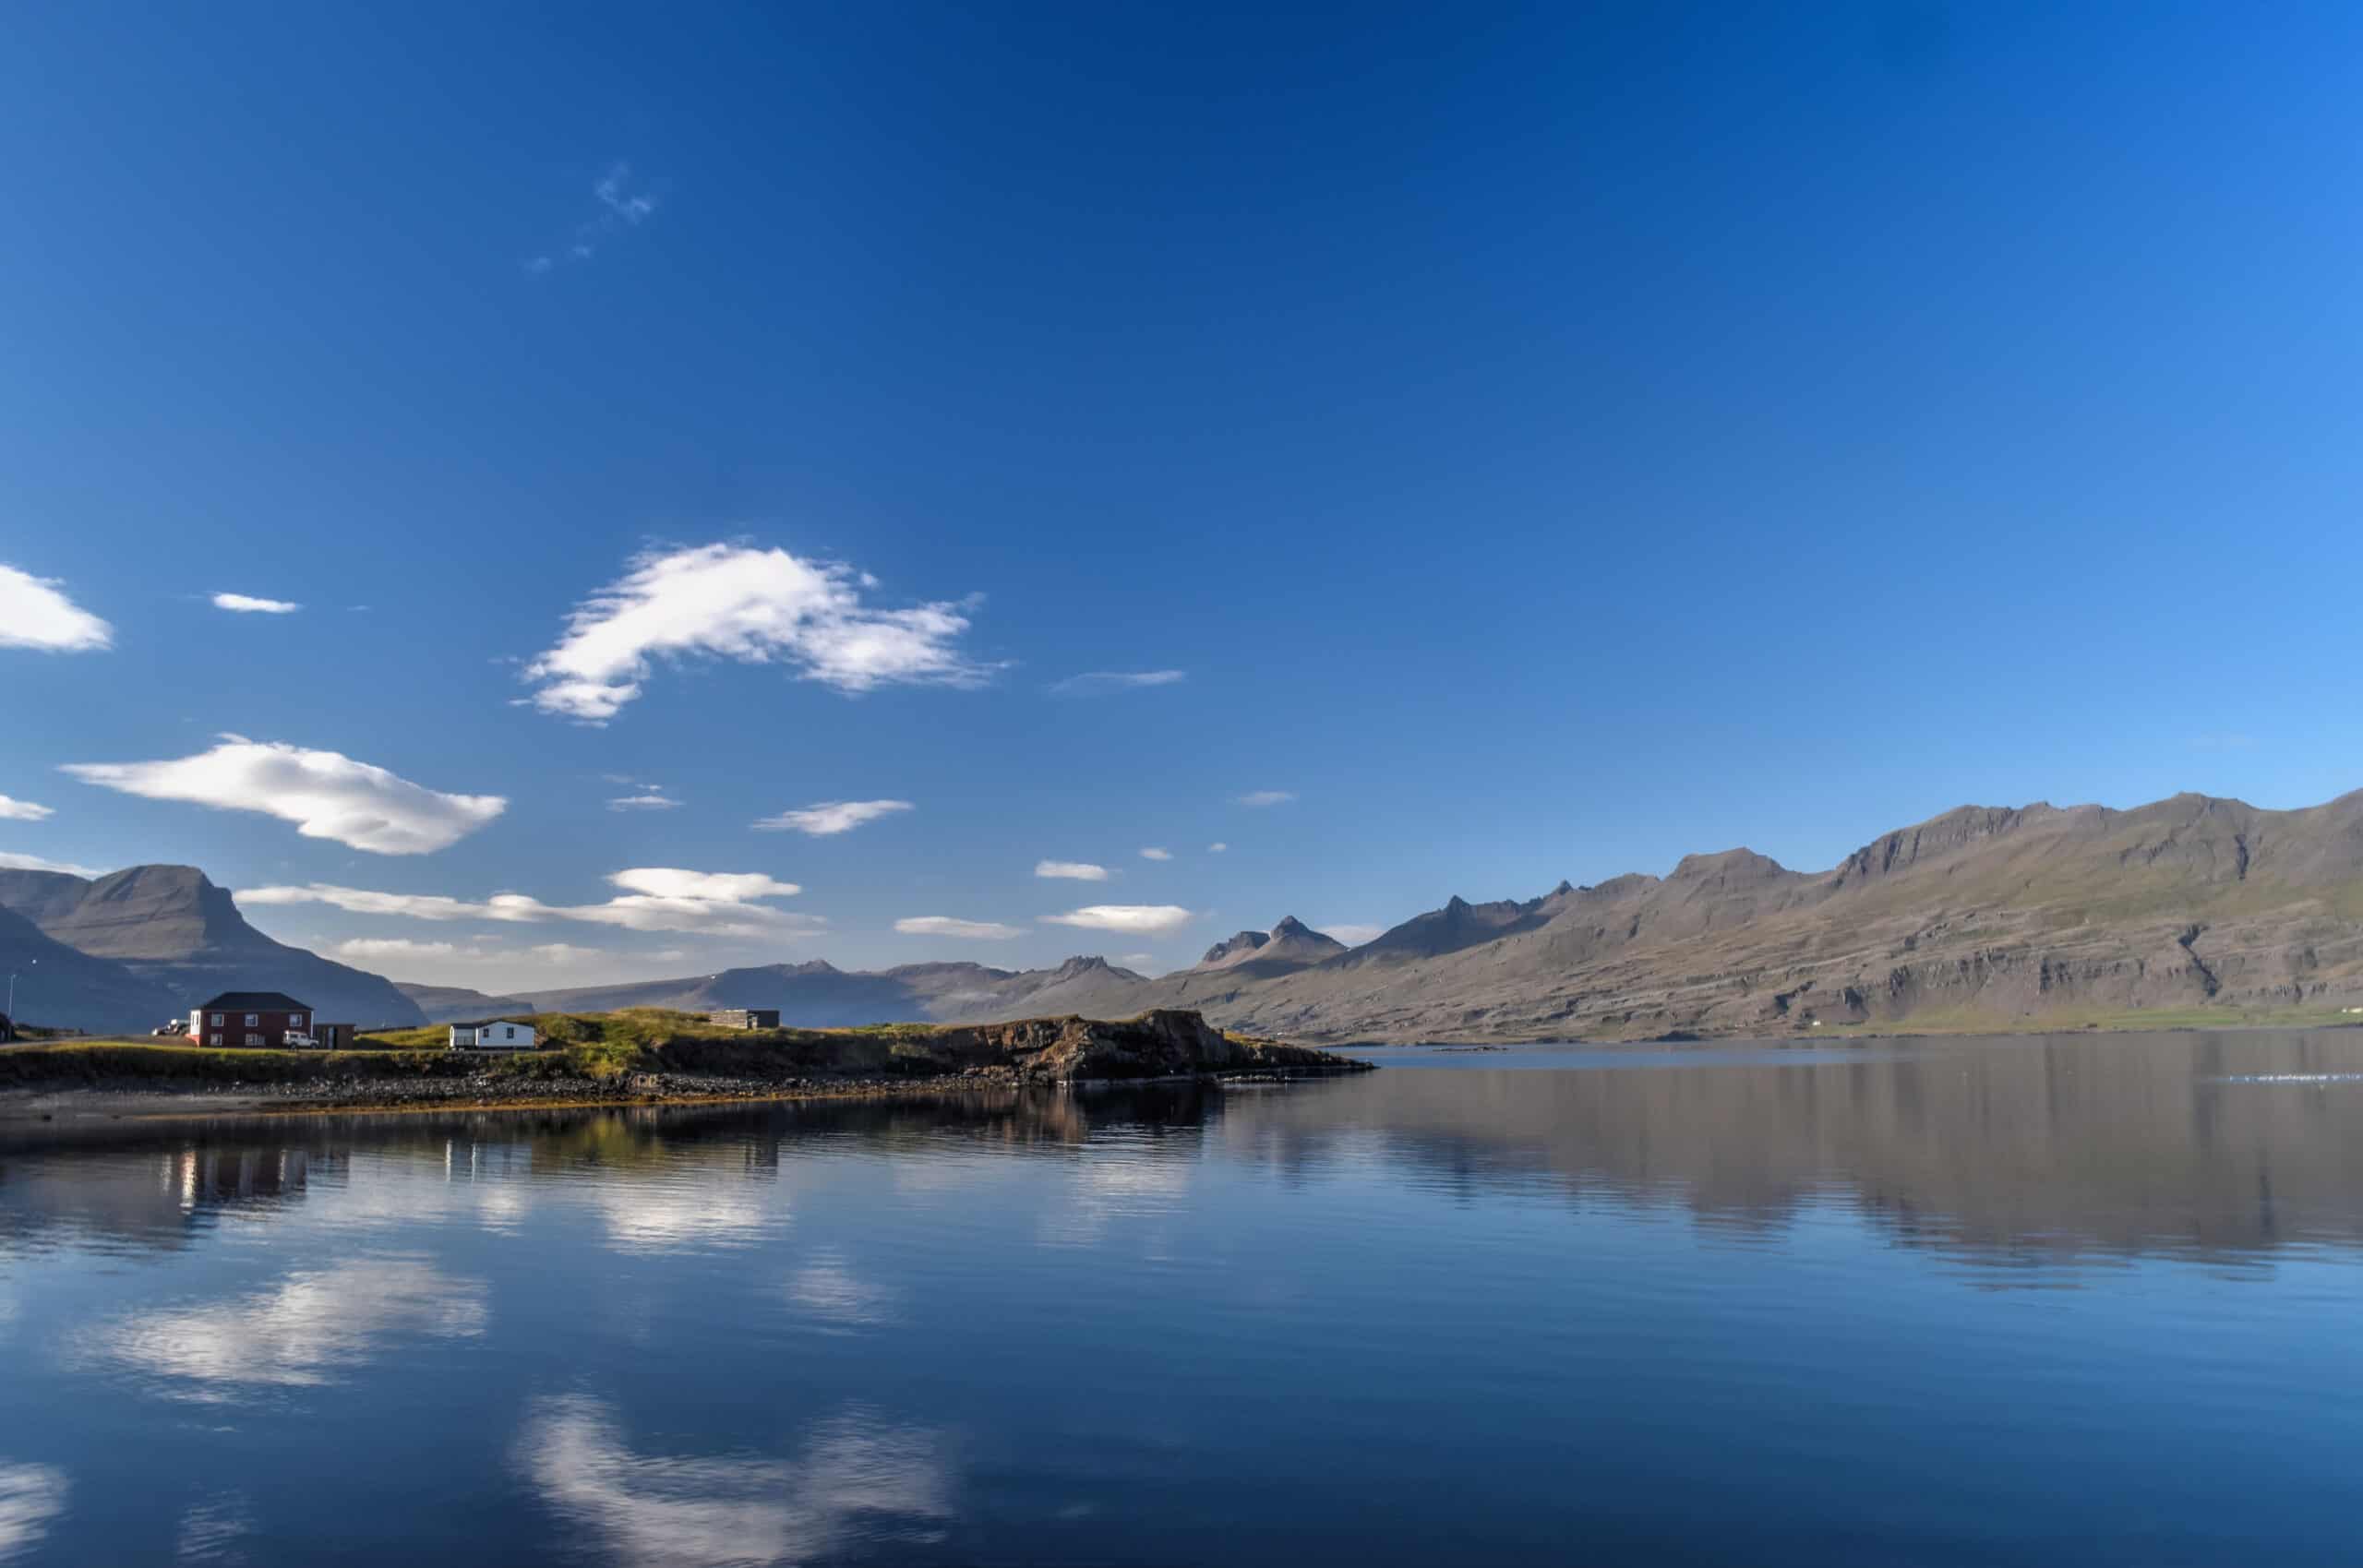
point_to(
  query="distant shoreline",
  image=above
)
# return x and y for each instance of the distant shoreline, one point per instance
(52, 1106)
(2177, 1024)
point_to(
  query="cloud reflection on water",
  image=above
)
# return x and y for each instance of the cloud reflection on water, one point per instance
(642, 1217)
(30, 1496)
(313, 1325)
(830, 1289)
(856, 1477)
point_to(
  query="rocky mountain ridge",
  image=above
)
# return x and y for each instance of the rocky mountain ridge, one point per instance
(1982, 917)
(155, 940)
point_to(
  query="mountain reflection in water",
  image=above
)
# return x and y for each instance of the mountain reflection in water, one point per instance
(1662, 1301)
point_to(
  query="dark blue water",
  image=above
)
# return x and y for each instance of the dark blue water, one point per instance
(2070, 1300)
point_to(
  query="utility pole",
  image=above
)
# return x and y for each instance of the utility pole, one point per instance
(12, 996)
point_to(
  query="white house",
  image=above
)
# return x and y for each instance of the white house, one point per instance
(492, 1035)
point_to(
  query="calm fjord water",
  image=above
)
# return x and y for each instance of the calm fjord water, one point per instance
(2088, 1300)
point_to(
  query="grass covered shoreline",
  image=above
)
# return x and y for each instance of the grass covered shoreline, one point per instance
(651, 1054)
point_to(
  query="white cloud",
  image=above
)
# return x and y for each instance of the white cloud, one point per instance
(655, 899)
(652, 799)
(1267, 798)
(1071, 870)
(325, 793)
(360, 901)
(428, 961)
(615, 196)
(1099, 683)
(1156, 854)
(30, 1496)
(22, 811)
(13, 862)
(1138, 959)
(664, 881)
(1134, 919)
(1349, 933)
(753, 606)
(246, 604)
(621, 207)
(831, 817)
(858, 1482)
(1216, 848)
(33, 614)
(945, 926)
(397, 950)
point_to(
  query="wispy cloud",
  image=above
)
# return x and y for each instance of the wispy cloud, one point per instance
(1071, 870)
(1267, 798)
(1350, 933)
(325, 793)
(35, 613)
(967, 930)
(246, 604)
(22, 811)
(624, 203)
(10, 861)
(1100, 683)
(1156, 854)
(752, 606)
(653, 899)
(651, 798)
(1217, 848)
(1134, 919)
(830, 817)
(403, 951)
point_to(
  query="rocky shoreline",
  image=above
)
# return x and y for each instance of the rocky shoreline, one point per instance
(143, 1098)
(1075, 1053)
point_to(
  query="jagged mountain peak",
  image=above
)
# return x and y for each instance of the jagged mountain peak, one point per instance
(1232, 946)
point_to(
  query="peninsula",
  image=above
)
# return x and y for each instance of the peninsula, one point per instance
(648, 1055)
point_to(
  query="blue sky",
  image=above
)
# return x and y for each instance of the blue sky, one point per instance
(1545, 441)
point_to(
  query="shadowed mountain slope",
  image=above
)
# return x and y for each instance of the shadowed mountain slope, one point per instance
(57, 986)
(171, 928)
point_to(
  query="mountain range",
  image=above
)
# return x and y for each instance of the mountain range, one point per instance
(1997, 917)
(126, 952)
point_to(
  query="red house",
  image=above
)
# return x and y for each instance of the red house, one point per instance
(248, 1018)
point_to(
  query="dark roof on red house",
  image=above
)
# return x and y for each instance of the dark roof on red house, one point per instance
(253, 1001)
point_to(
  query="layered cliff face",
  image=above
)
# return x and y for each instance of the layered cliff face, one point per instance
(1979, 916)
(1995, 917)
(178, 938)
